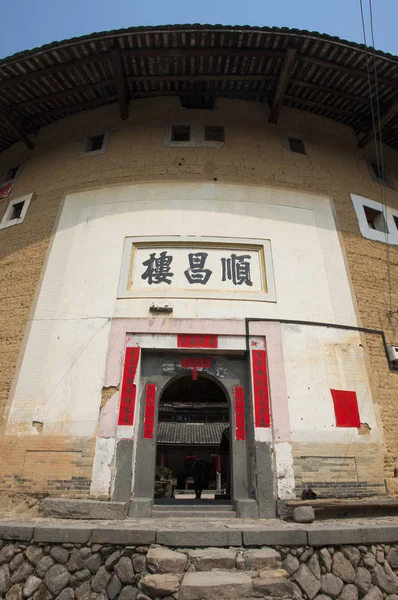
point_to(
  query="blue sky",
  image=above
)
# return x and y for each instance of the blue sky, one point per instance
(26, 24)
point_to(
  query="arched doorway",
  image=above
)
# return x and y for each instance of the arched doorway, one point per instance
(192, 457)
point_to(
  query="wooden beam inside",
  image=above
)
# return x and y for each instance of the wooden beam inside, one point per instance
(199, 51)
(385, 118)
(18, 132)
(120, 82)
(287, 66)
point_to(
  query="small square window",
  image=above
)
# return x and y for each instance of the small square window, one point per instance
(378, 171)
(296, 145)
(180, 133)
(395, 221)
(16, 211)
(214, 133)
(375, 219)
(95, 143)
(11, 173)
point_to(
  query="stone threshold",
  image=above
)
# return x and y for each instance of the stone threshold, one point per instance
(196, 533)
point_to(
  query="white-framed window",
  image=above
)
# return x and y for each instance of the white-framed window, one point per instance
(380, 174)
(94, 144)
(10, 174)
(16, 211)
(194, 135)
(376, 222)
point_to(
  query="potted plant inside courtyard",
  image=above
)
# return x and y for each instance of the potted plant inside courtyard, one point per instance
(165, 484)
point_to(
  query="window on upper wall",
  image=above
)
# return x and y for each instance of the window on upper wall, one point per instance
(194, 135)
(180, 133)
(214, 133)
(296, 145)
(380, 174)
(16, 211)
(94, 144)
(376, 221)
(11, 174)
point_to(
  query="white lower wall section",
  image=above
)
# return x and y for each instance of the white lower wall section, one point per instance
(62, 371)
(103, 464)
(284, 471)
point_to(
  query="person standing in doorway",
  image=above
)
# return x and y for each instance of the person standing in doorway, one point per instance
(198, 474)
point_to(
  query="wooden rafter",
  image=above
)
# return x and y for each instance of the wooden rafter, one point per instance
(17, 131)
(385, 118)
(53, 69)
(281, 86)
(120, 83)
(348, 70)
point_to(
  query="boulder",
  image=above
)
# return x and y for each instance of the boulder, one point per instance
(392, 558)
(42, 593)
(6, 553)
(101, 580)
(43, 565)
(114, 587)
(212, 558)
(16, 562)
(67, 594)
(216, 585)
(22, 573)
(139, 563)
(304, 514)
(124, 570)
(362, 580)
(128, 593)
(384, 578)
(31, 586)
(112, 560)
(4, 579)
(369, 560)
(15, 592)
(343, 568)
(56, 579)
(59, 554)
(93, 563)
(349, 592)
(314, 566)
(290, 564)
(307, 581)
(162, 560)
(76, 563)
(264, 558)
(331, 585)
(353, 555)
(34, 554)
(373, 594)
(160, 584)
(326, 559)
(83, 592)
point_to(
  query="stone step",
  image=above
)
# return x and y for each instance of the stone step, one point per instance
(215, 585)
(193, 514)
(199, 507)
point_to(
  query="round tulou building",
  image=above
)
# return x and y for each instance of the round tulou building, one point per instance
(198, 250)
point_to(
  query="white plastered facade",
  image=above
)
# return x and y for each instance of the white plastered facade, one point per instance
(63, 369)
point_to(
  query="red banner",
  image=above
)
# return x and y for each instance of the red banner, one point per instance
(150, 405)
(5, 190)
(239, 400)
(346, 408)
(195, 363)
(128, 394)
(197, 341)
(260, 388)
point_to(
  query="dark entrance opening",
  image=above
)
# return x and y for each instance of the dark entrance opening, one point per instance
(193, 446)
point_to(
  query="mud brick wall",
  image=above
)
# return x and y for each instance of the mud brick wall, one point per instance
(252, 155)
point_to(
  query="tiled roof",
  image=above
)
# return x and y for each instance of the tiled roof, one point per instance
(191, 433)
(198, 63)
